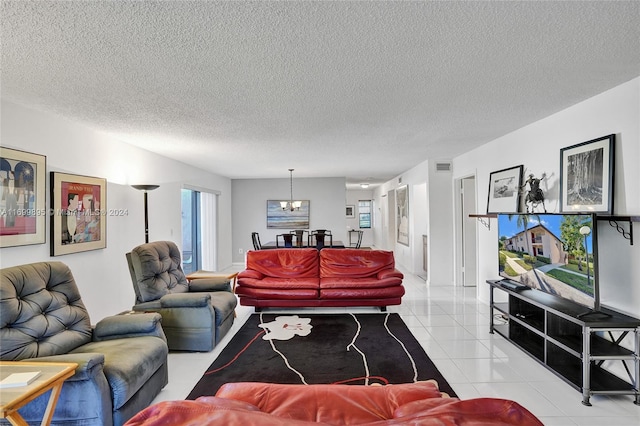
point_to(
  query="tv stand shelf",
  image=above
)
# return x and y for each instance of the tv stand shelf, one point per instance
(552, 331)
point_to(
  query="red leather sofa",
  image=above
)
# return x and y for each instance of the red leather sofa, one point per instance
(310, 278)
(267, 404)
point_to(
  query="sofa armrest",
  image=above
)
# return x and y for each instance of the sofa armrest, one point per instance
(209, 284)
(250, 273)
(389, 273)
(185, 300)
(122, 326)
(88, 363)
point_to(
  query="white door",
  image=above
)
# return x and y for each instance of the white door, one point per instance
(468, 228)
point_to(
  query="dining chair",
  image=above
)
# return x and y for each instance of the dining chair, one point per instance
(299, 233)
(287, 240)
(319, 239)
(255, 238)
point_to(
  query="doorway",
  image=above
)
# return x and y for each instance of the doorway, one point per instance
(466, 227)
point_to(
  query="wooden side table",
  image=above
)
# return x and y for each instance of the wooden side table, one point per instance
(213, 275)
(53, 375)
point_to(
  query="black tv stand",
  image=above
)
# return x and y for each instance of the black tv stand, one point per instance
(571, 343)
(593, 315)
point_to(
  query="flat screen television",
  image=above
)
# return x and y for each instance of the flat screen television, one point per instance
(554, 253)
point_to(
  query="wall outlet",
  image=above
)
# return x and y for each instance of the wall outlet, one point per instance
(240, 251)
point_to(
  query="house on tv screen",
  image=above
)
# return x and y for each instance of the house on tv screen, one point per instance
(542, 242)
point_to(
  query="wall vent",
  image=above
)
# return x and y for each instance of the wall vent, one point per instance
(443, 167)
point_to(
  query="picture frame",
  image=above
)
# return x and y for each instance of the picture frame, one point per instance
(78, 219)
(23, 209)
(402, 216)
(350, 211)
(279, 218)
(504, 190)
(586, 176)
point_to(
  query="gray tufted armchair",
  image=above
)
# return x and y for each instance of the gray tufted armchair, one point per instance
(196, 314)
(122, 361)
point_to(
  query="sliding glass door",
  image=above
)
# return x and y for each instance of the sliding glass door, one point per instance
(199, 233)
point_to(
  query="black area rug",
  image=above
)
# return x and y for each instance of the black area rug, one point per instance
(328, 349)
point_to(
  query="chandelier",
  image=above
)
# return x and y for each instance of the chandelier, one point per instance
(291, 205)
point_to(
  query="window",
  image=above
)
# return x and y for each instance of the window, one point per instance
(364, 213)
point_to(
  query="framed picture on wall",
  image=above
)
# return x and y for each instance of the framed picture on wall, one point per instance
(351, 211)
(78, 222)
(22, 198)
(284, 218)
(504, 190)
(402, 217)
(586, 176)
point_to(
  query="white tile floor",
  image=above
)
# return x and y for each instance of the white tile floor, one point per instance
(453, 327)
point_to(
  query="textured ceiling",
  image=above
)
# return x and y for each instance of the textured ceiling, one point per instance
(364, 90)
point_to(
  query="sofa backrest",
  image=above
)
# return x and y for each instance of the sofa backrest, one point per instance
(156, 270)
(41, 312)
(354, 263)
(284, 263)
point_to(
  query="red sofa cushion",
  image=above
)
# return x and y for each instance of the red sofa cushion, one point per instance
(355, 263)
(284, 263)
(267, 404)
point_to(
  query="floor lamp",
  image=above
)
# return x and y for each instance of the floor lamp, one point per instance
(145, 189)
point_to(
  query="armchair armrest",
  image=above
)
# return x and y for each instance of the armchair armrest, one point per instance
(88, 363)
(388, 273)
(209, 284)
(185, 300)
(121, 326)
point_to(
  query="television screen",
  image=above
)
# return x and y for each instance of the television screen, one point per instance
(549, 252)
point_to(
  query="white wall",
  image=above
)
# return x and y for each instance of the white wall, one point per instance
(537, 147)
(327, 201)
(102, 275)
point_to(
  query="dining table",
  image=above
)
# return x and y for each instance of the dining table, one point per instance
(272, 245)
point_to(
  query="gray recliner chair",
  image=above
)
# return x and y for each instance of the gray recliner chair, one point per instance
(196, 314)
(122, 361)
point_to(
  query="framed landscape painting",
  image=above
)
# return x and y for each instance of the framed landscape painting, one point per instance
(279, 218)
(586, 176)
(78, 222)
(504, 190)
(22, 198)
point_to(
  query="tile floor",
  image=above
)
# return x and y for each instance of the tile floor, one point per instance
(453, 327)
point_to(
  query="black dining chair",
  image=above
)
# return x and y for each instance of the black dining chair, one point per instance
(255, 238)
(287, 240)
(319, 239)
(299, 233)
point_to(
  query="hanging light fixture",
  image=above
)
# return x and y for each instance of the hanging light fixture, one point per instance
(291, 205)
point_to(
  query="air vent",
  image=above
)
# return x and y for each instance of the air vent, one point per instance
(443, 167)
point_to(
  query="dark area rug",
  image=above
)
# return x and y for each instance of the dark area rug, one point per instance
(321, 348)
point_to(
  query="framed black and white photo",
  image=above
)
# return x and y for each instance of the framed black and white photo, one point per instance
(586, 176)
(351, 211)
(504, 190)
